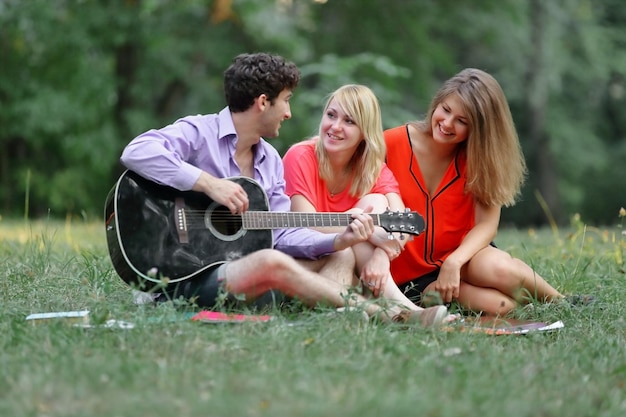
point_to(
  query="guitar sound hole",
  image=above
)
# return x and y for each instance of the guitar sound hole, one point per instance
(223, 224)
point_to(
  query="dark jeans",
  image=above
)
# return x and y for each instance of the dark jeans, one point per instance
(206, 289)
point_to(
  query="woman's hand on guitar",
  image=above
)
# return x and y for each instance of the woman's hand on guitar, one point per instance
(223, 191)
(393, 246)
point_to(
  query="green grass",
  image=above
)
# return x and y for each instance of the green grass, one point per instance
(303, 363)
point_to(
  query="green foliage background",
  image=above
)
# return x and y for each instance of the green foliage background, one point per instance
(80, 79)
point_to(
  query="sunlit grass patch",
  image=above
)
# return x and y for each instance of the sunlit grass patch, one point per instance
(71, 233)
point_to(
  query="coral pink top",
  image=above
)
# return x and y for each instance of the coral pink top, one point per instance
(302, 177)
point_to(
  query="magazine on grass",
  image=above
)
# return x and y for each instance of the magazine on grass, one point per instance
(503, 326)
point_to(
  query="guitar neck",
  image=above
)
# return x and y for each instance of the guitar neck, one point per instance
(257, 220)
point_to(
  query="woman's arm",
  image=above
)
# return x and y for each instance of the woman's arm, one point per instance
(482, 234)
(378, 203)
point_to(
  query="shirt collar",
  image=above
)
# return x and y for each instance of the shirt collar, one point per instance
(227, 131)
(227, 127)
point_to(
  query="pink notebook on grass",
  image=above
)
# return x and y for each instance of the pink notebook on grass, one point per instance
(217, 317)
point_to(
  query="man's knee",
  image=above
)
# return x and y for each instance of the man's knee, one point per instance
(273, 260)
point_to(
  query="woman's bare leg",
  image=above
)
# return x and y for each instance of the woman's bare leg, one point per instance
(494, 268)
(494, 283)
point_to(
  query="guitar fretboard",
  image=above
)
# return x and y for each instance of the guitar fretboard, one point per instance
(256, 220)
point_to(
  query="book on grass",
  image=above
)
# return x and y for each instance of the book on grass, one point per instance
(503, 326)
(67, 316)
(217, 317)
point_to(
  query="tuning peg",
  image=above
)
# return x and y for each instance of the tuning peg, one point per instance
(402, 237)
(390, 236)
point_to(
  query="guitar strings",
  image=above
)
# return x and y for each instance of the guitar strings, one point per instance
(264, 218)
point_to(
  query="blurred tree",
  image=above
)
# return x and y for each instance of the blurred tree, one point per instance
(561, 70)
(554, 60)
(53, 93)
(79, 79)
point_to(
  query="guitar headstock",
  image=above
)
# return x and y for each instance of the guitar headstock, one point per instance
(409, 222)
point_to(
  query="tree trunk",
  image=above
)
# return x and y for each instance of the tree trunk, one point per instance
(537, 102)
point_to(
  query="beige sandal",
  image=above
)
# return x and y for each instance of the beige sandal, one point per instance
(428, 317)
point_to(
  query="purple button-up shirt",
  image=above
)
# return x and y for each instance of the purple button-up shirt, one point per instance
(176, 154)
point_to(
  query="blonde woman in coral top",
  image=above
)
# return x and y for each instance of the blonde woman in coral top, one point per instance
(343, 170)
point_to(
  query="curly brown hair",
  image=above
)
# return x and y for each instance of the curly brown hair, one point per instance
(251, 75)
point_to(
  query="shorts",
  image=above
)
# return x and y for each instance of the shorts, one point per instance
(414, 289)
(207, 290)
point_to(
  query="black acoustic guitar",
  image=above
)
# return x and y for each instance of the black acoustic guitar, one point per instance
(155, 232)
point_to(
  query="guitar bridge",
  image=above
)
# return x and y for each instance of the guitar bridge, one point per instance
(181, 220)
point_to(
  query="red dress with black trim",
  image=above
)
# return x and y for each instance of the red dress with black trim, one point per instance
(448, 213)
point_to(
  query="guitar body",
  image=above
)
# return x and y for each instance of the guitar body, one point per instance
(158, 235)
(155, 232)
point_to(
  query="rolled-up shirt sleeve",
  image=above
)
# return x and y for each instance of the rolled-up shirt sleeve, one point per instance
(161, 155)
(304, 243)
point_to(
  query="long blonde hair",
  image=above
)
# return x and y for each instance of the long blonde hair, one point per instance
(496, 168)
(361, 105)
